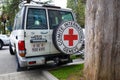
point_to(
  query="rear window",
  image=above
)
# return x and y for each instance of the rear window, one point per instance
(56, 17)
(36, 19)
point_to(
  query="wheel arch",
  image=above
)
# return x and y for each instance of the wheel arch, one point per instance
(2, 41)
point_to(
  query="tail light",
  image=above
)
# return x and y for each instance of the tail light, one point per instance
(32, 62)
(21, 47)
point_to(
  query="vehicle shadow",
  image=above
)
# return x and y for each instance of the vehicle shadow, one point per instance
(42, 67)
(45, 67)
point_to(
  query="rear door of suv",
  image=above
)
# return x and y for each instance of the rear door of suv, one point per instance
(36, 33)
(56, 18)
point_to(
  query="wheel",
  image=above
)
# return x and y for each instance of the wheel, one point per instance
(68, 60)
(11, 50)
(1, 44)
(68, 37)
(57, 61)
(64, 62)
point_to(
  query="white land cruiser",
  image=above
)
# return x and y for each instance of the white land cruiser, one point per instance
(44, 33)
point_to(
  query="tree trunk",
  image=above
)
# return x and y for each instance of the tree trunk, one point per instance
(102, 58)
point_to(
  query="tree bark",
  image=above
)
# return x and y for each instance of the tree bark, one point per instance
(102, 50)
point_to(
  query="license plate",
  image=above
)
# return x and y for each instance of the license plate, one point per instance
(38, 47)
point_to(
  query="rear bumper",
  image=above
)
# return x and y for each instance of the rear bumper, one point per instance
(43, 59)
(25, 62)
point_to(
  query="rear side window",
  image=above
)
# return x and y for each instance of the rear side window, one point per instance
(36, 19)
(56, 17)
(18, 21)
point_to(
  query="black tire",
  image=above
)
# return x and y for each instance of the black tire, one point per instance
(54, 34)
(64, 62)
(11, 50)
(54, 39)
(1, 44)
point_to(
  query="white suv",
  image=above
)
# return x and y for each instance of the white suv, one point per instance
(4, 40)
(44, 33)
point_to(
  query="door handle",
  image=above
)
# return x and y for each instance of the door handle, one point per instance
(44, 32)
(16, 37)
(39, 40)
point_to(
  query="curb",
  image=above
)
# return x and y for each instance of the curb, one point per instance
(75, 62)
(49, 76)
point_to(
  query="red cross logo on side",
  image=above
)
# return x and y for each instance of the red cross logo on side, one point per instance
(70, 37)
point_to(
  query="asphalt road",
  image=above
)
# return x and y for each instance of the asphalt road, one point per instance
(8, 65)
(7, 61)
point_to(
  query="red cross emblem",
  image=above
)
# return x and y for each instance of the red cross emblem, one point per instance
(70, 37)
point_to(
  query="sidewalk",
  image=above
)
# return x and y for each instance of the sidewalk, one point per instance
(28, 75)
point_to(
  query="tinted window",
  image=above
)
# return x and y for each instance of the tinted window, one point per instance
(36, 19)
(57, 17)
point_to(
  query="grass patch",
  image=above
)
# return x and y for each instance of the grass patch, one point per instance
(68, 72)
(77, 56)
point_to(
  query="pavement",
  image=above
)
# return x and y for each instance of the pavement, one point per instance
(35, 74)
(28, 75)
(7, 61)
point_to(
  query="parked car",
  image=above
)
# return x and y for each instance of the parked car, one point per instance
(44, 33)
(4, 40)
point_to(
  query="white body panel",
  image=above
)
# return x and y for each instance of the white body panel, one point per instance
(52, 47)
(16, 35)
(37, 48)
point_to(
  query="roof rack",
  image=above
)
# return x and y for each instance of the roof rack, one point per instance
(51, 6)
(43, 4)
(22, 4)
(39, 2)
